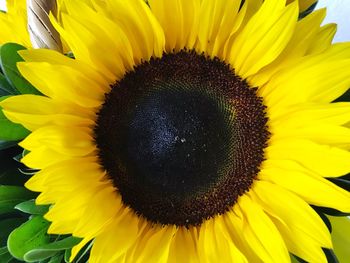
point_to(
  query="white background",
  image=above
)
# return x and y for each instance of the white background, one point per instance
(338, 12)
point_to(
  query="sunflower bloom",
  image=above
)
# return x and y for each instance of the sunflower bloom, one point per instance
(187, 131)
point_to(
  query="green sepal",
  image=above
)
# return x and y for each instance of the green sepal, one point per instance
(10, 196)
(29, 207)
(50, 250)
(28, 236)
(67, 255)
(8, 59)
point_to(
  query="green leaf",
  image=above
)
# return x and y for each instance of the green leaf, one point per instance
(10, 131)
(49, 250)
(28, 236)
(30, 207)
(56, 259)
(5, 87)
(8, 60)
(7, 226)
(10, 196)
(67, 255)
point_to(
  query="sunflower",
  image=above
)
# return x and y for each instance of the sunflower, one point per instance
(14, 23)
(188, 131)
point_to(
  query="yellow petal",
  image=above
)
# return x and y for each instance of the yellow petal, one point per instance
(179, 20)
(323, 159)
(317, 132)
(339, 52)
(246, 11)
(117, 238)
(261, 234)
(306, 250)
(324, 39)
(235, 225)
(303, 37)
(115, 51)
(41, 105)
(56, 58)
(214, 241)
(184, 247)
(262, 42)
(154, 245)
(302, 229)
(219, 22)
(141, 26)
(65, 217)
(34, 111)
(330, 79)
(314, 190)
(34, 122)
(34, 159)
(64, 177)
(299, 115)
(64, 84)
(76, 142)
(100, 212)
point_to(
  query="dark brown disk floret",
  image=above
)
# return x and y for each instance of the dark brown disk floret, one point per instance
(182, 137)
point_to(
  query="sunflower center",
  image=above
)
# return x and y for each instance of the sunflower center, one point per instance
(182, 137)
